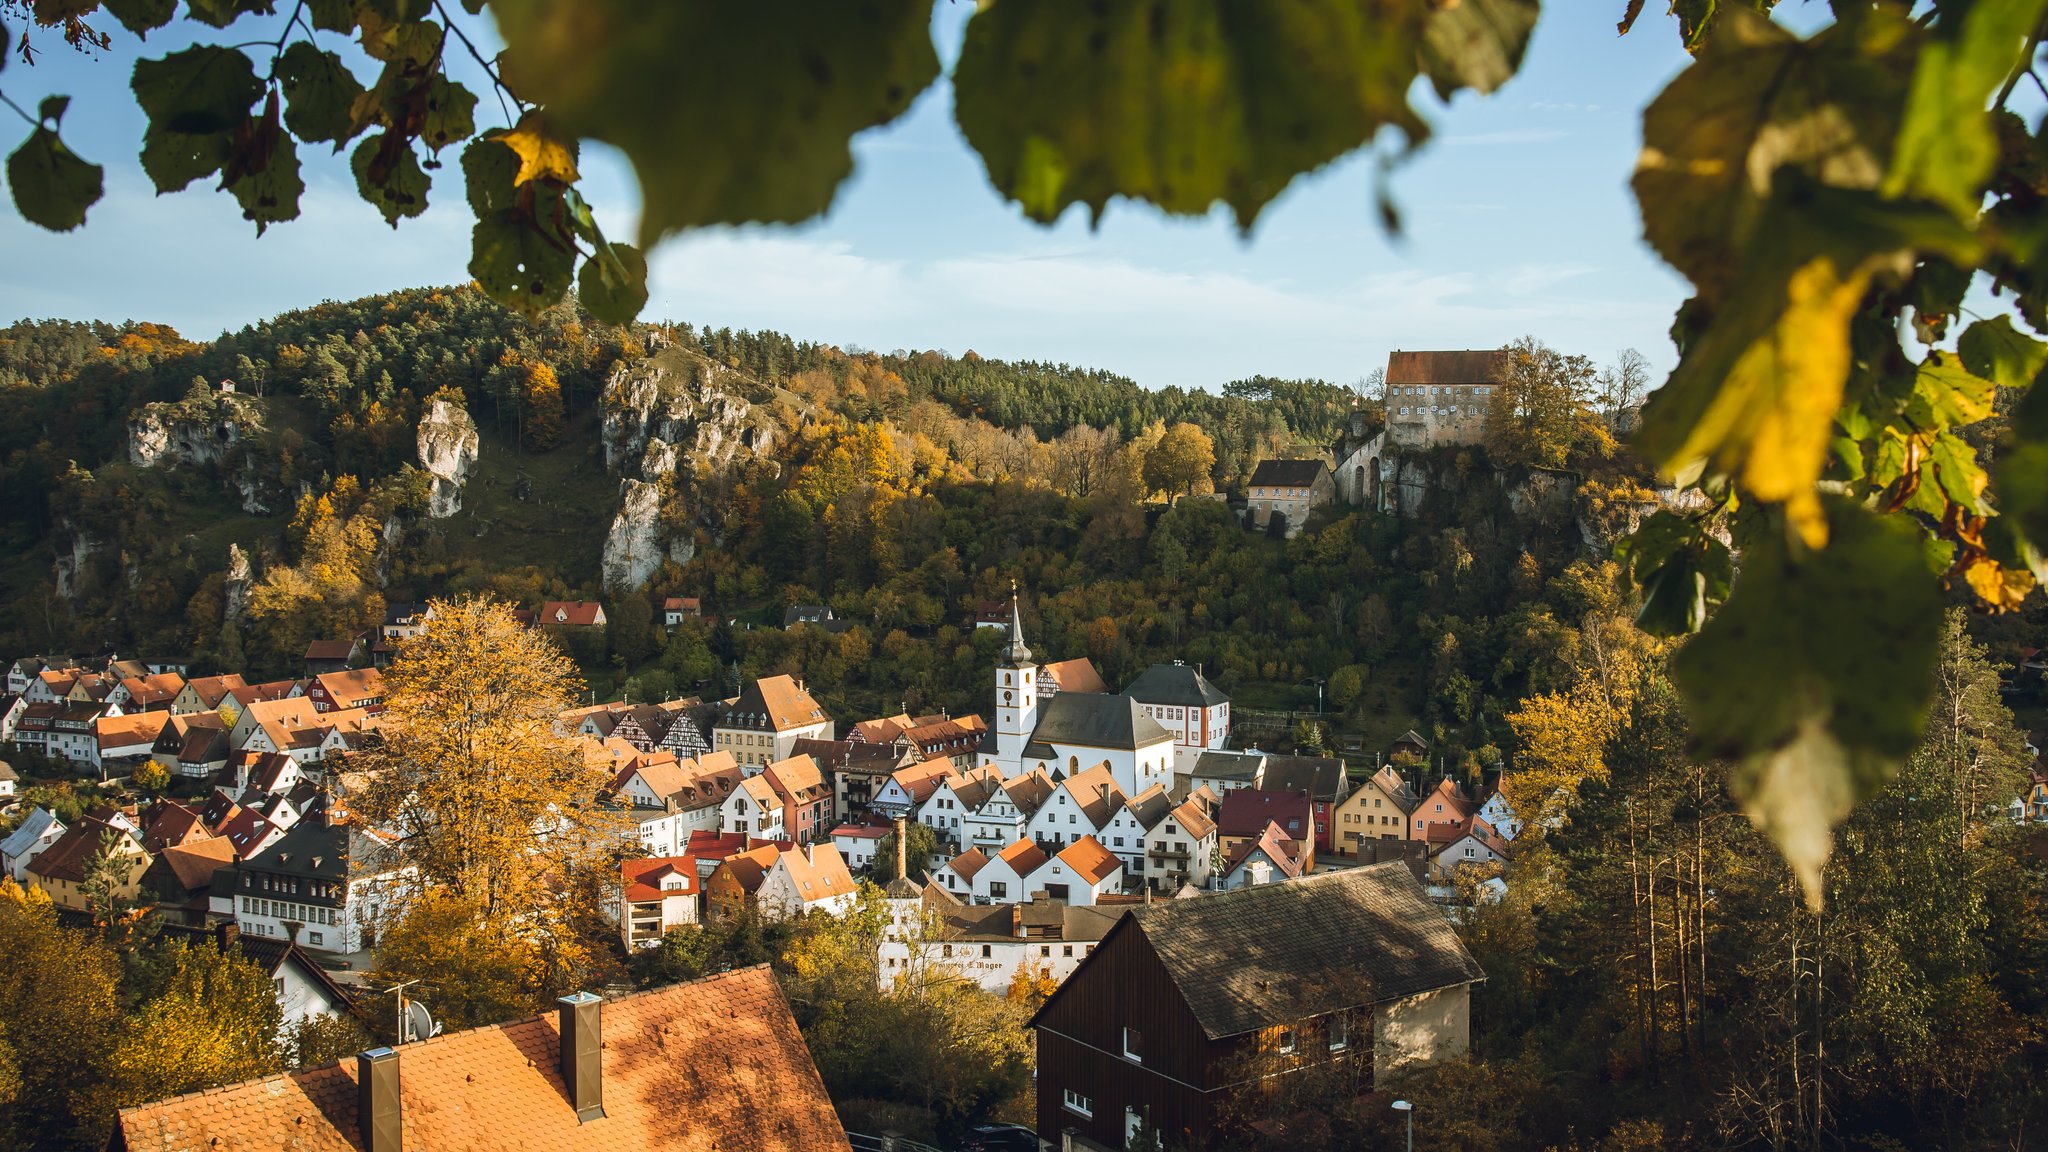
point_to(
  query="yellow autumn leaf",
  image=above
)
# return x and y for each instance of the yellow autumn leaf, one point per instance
(2001, 589)
(540, 155)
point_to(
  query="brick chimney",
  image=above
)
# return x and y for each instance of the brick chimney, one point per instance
(378, 1112)
(902, 851)
(582, 1056)
(226, 934)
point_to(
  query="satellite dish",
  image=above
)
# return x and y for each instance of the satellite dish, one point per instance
(419, 1023)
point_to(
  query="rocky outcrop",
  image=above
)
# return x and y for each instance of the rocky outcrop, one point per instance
(203, 428)
(71, 562)
(669, 420)
(235, 591)
(447, 447)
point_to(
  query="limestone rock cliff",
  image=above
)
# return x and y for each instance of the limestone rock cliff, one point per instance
(669, 420)
(447, 452)
(203, 428)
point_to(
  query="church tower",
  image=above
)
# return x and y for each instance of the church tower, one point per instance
(1016, 695)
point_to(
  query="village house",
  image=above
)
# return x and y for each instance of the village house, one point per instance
(571, 614)
(1082, 805)
(1081, 874)
(1006, 876)
(1183, 701)
(596, 1076)
(780, 881)
(991, 944)
(957, 875)
(1473, 843)
(907, 789)
(1500, 815)
(806, 798)
(304, 990)
(151, 693)
(1281, 494)
(324, 656)
(206, 693)
(62, 870)
(655, 895)
(1076, 675)
(73, 733)
(1262, 859)
(181, 877)
(955, 800)
(763, 723)
(676, 609)
(1321, 778)
(992, 614)
(1446, 804)
(1377, 810)
(340, 691)
(122, 743)
(1184, 997)
(1181, 849)
(1124, 834)
(327, 885)
(858, 843)
(30, 838)
(1245, 813)
(1221, 772)
(1006, 812)
(755, 809)
(856, 770)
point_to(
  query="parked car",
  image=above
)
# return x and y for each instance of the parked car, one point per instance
(1001, 1138)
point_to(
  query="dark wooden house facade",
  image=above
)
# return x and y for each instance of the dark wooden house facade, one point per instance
(1186, 1001)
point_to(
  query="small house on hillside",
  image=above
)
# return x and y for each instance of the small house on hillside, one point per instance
(1287, 490)
(1185, 1001)
(676, 609)
(571, 614)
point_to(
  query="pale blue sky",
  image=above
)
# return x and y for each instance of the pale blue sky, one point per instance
(1518, 213)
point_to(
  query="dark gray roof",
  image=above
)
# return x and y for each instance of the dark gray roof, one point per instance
(1175, 685)
(1214, 765)
(1095, 720)
(1322, 777)
(1286, 473)
(1275, 953)
(317, 850)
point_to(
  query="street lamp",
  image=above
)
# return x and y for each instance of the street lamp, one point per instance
(1408, 1110)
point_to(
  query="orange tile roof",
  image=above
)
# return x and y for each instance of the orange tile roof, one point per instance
(1089, 859)
(966, 864)
(797, 779)
(1077, 675)
(819, 871)
(923, 778)
(211, 690)
(1023, 857)
(643, 877)
(153, 689)
(714, 1063)
(345, 688)
(194, 864)
(128, 731)
(781, 700)
(575, 613)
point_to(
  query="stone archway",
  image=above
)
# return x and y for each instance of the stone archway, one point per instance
(1372, 495)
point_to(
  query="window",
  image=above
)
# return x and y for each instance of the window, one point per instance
(1045, 950)
(1076, 1103)
(1134, 1044)
(997, 890)
(1285, 1042)
(986, 952)
(315, 938)
(1068, 950)
(1340, 1033)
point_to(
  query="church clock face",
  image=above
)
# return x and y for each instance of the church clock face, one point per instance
(1006, 697)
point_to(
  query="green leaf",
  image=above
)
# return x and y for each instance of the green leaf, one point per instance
(142, 16)
(1757, 101)
(1946, 144)
(263, 170)
(221, 13)
(451, 114)
(613, 284)
(319, 93)
(1181, 103)
(333, 15)
(400, 192)
(1684, 572)
(1946, 394)
(1997, 351)
(488, 168)
(1955, 468)
(1758, 392)
(53, 108)
(1815, 676)
(52, 187)
(518, 265)
(1477, 44)
(175, 159)
(729, 112)
(201, 90)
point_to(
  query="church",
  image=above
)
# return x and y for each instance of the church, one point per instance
(1063, 733)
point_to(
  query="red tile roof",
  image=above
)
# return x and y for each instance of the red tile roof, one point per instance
(715, 1063)
(1462, 367)
(574, 613)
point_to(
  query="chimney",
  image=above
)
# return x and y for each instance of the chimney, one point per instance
(582, 1059)
(902, 851)
(377, 1108)
(226, 934)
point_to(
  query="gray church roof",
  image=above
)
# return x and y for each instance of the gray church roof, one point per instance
(1096, 721)
(1175, 685)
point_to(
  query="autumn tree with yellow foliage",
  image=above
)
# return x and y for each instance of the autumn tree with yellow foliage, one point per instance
(496, 807)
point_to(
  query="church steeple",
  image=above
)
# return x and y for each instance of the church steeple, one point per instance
(1017, 655)
(1016, 696)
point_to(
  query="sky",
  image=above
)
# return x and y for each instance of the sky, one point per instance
(1518, 222)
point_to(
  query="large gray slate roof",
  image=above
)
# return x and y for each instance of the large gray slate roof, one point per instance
(1095, 720)
(1272, 954)
(1176, 686)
